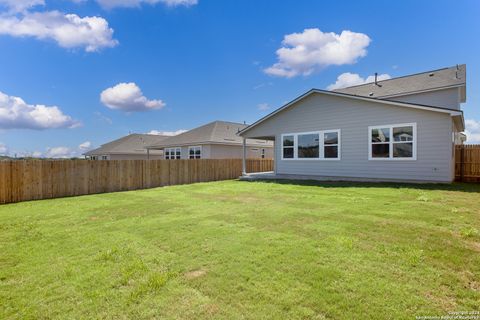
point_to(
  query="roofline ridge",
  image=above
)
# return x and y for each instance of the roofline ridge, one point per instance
(405, 76)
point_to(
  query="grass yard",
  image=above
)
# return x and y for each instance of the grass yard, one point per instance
(244, 250)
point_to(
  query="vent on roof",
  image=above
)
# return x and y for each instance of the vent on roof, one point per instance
(431, 74)
(376, 82)
(370, 94)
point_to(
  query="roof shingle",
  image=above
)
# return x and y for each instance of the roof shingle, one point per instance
(132, 144)
(425, 81)
(217, 132)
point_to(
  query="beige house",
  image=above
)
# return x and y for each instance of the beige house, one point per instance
(215, 140)
(131, 147)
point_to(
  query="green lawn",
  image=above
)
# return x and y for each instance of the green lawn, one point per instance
(249, 250)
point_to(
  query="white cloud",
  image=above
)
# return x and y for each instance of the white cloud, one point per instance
(17, 114)
(263, 106)
(85, 146)
(167, 133)
(109, 4)
(3, 149)
(348, 79)
(68, 30)
(128, 97)
(60, 152)
(472, 130)
(20, 5)
(309, 51)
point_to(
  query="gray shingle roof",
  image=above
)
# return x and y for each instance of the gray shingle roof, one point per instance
(425, 81)
(132, 144)
(217, 132)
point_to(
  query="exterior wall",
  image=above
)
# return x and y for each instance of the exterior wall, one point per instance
(353, 117)
(218, 151)
(448, 98)
(185, 154)
(133, 157)
(236, 152)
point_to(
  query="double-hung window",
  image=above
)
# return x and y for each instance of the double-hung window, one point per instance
(195, 152)
(318, 145)
(331, 145)
(173, 153)
(288, 145)
(393, 142)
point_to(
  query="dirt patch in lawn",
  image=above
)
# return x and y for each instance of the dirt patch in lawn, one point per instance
(195, 274)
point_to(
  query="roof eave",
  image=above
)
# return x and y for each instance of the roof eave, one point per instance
(158, 147)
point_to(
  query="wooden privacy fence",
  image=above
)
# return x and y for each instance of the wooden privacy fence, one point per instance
(46, 179)
(467, 163)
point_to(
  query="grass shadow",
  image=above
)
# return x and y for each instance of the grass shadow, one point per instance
(456, 186)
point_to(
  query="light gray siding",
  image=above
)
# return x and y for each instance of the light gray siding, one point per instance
(219, 151)
(134, 156)
(236, 152)
(353, 117)
(206, 152)
(448, 98)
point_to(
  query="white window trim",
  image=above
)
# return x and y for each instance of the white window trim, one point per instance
(193, 147)
(174, 149)
(391, 142)
(321, 153)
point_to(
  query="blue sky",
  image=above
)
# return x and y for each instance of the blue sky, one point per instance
(184, 63)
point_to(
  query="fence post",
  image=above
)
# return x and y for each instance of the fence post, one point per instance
(462, 163)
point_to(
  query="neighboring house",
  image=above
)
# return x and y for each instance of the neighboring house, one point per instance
(131, 147)
(402, 129)
(215, 140)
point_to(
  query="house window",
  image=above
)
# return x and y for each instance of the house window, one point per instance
(288, 146)
(330, 145)
(393, 142)
(263, 154)
(308, 145)
(104, 157)
(173, 153)
(195, 152)
(318, 145)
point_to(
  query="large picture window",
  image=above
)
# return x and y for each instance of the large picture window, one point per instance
(318, 145)
(173, 153)
(195, 152)
(393, 142)
(308, 145)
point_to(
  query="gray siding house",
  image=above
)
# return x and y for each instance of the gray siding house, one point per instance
(215, 140)
(402, 129)
(130, 147)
